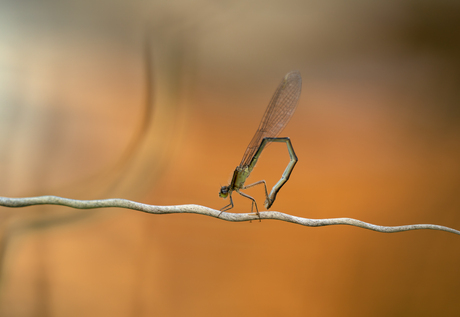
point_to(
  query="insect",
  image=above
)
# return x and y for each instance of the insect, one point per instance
(278, 113)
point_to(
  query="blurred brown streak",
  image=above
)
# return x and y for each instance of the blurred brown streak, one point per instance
(376, 132)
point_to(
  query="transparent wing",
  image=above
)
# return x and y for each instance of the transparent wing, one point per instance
(279, 111)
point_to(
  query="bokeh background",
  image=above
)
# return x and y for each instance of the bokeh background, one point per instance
(155, 101)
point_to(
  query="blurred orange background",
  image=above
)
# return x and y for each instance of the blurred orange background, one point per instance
(157, 101)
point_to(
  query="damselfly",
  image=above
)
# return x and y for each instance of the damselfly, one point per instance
(279, 111)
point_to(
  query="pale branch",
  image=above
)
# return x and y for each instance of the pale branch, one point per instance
(197, 209)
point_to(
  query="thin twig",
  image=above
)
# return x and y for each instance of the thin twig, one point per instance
(197, 209)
